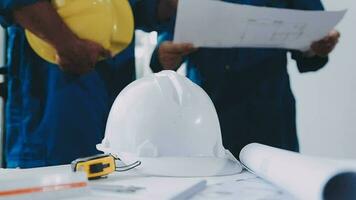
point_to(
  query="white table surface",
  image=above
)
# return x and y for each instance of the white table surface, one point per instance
(243, 186)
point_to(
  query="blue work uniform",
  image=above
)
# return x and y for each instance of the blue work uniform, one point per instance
(250, 87)
(53, 117)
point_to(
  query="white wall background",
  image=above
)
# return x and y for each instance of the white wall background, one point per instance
(326, 99)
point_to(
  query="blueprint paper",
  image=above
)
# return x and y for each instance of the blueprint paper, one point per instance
(157, 187)
(218, 24)
(137, 188)
(249, 189)
(304, 177)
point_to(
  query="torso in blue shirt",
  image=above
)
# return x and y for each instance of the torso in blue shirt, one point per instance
(52, 117)
(250, 87)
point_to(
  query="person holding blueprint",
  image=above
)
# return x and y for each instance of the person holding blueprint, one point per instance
(250, 87)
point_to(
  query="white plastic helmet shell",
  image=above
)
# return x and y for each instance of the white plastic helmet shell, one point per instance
(169, 124)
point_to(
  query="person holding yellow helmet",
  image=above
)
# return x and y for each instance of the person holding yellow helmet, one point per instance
(66, 71)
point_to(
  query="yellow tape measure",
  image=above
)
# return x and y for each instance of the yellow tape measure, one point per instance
(95, 166)
(99, 166)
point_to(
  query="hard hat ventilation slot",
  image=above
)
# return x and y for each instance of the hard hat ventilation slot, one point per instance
(169, 84)
(178, 88)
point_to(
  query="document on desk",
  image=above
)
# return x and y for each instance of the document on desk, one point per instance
(149, 188)
(218, 24)
(249, 189)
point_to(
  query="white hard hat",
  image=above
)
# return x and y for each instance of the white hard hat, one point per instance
(170, 125)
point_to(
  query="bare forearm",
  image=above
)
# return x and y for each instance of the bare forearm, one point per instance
(166, 9)
(43, 20)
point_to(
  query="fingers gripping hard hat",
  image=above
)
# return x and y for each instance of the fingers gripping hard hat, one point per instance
(170, 125)
(109, 23)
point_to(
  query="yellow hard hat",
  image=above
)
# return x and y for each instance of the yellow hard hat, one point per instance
(106, 22)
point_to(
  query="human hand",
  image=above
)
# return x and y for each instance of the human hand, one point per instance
(326, 45)
(80, 56)
(171, 55)
(74, 55)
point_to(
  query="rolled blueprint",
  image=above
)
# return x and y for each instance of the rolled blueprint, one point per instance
(305, 177)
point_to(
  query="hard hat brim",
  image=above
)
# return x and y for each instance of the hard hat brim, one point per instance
(181, 166)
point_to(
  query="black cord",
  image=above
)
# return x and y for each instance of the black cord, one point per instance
(128, 167)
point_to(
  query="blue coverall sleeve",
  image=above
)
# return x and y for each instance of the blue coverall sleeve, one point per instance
(6, 8)
(165, 33)
(155, 64)
(307, 64)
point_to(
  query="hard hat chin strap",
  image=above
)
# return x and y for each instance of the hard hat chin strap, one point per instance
(128, 167)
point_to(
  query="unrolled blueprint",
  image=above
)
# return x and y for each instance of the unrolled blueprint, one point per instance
(212, 23)
(248, 189)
